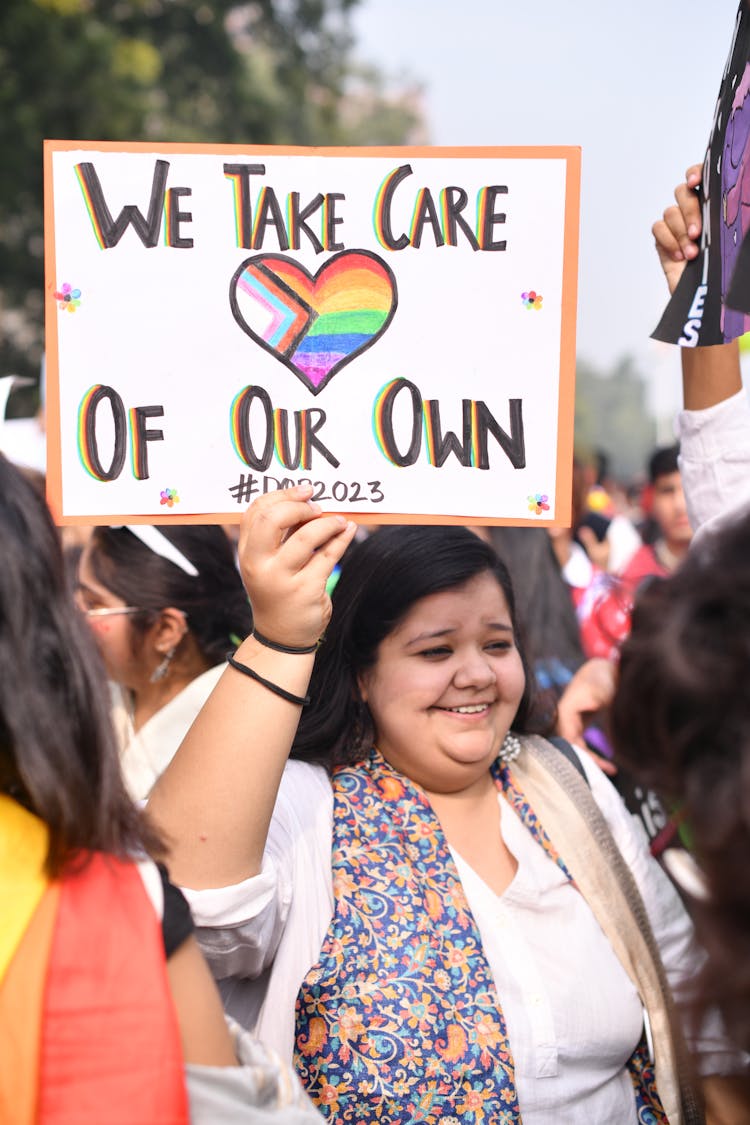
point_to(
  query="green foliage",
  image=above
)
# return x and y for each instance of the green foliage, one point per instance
(264, 72)
(612, 414)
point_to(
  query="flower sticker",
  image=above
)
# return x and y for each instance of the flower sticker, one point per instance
(67, 297)
(169, 497)
(538, 503)
(532, 300)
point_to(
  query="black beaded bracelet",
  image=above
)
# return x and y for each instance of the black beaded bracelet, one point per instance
(284, 648)
(300, 700)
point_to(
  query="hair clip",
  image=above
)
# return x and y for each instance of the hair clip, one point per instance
(157, 542)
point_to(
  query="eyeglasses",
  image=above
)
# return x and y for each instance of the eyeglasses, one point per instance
(81, 596)
(110, 611)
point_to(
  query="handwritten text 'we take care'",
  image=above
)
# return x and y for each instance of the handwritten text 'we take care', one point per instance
(407, 425)
(440, 218)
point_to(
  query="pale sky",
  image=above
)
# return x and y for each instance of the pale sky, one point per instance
(633, 84)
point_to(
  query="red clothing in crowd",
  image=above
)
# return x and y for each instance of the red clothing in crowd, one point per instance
(645, 563)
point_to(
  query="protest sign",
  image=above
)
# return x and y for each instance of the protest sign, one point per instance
(711, 303)
(396, 326)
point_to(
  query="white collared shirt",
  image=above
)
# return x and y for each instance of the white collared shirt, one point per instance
(572, 1014)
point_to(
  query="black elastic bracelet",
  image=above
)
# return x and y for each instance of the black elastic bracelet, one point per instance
(283, 648)
(300, 700)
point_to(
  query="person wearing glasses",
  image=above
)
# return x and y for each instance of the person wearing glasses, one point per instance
(165, 605)
(108, 1013)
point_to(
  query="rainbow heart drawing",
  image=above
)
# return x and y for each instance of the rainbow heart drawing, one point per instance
(314, 324)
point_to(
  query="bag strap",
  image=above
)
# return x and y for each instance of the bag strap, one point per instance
(578, 826)
(568, 751)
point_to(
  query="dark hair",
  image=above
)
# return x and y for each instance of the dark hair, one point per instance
(381, 579)
(681, 723)
(214, 602)
(601, 462)
(58, 755)
(546, 616)
(663, 461)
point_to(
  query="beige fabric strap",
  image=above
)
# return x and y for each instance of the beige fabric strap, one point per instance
(562, 800)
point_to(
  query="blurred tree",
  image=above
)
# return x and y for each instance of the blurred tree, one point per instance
(370, 110)
(612, 414)
(267, 72)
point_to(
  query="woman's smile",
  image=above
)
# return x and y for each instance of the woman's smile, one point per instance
(467, 709)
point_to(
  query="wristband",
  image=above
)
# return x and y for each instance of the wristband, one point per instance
(283, 648)
(300, 700)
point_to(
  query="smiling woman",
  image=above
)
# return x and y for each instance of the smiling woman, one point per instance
(403, 597)
(407, 906)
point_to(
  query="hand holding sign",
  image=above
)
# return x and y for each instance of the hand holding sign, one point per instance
(676, 234)
(711, 301)
(287, 551)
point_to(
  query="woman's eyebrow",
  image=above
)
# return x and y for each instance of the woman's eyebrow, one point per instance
(500, 626)
(431, 636)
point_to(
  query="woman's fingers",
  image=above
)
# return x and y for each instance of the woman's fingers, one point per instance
(287, 525)
(672, 237)
(322, 562)
(312, 539)
(269, 519)
(671, 258)
(694, 175)
(288, 590)
(690, 209)
(287, 552)
(677, 232)
(267, 525)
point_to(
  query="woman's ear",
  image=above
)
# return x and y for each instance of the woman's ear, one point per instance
(169, 629)
(362, 681)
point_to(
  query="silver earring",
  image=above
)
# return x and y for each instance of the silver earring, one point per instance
(161, 669)
(510, 749)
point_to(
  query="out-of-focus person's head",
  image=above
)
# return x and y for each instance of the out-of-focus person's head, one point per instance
(199, 597)
(601, 461)
(681, 724)
(663, 462)
(57, 750)
(667, 501)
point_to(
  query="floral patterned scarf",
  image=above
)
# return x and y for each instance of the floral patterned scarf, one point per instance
(399, 1020)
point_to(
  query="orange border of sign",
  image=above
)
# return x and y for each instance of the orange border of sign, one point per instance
(572, 157)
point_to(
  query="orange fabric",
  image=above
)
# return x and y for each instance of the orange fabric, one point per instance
(21, 1000)
(111, 1051)
(24, 843)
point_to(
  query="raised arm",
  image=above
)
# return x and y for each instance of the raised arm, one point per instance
(709, 375)
(214, 801)
(714, 427)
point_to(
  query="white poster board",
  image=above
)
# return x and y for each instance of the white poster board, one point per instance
(395, 325)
